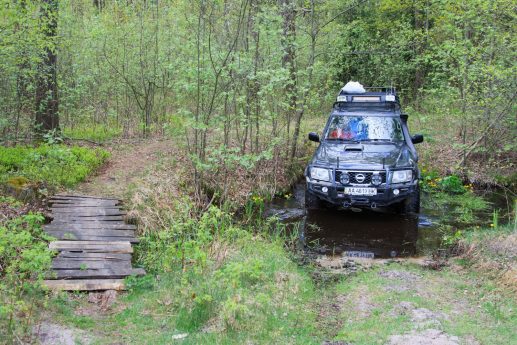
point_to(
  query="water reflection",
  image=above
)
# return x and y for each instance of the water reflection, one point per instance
(367, 232)
(363, 234)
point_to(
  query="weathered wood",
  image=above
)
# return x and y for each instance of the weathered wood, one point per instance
(85, 284)
(83, 205)
(93, 243)
(90, 265)
(74, 237)
(63, 218)
(95, 232)
(97, 273)
(86, 212)
(66, 219)
(93, 246)
(78, 196)
(89, 225)
(92, 256)
(74, 201)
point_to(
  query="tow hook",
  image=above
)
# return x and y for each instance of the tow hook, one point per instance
(373, 205)
(346, 204)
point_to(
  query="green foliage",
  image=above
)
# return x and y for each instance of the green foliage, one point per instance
(248, 291)
(452, 184)
(186, 240)
(97, 133)
(24, 259)
(52, 137)
(53, 165)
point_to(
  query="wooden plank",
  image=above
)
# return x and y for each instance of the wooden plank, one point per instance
(92, 256)
(86, 212)
(84, 204)
(85, 284)
(89, 225)
(66, 218)
(93, 246)
(93, 232)
(78, 196)
(96, 273)
(75, 237)
(86, 221)
(90, 265)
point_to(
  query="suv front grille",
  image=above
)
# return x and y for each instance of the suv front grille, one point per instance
(352, 175)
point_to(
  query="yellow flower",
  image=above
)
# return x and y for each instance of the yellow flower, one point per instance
(492, 225)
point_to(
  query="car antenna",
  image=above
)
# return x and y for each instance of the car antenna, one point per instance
(338, 162)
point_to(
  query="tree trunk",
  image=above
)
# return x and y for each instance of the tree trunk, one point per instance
(288, 12)
(47, 118)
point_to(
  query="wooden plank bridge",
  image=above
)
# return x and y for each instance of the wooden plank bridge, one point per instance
(93, 244)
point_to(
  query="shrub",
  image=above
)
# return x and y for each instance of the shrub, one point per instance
(24, 259)
(53, 165)
(452, 184)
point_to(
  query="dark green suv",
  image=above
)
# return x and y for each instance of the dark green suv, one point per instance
(366, 157)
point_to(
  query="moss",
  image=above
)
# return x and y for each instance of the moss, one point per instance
(18, 182)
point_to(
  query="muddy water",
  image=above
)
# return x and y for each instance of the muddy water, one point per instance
(368, 234)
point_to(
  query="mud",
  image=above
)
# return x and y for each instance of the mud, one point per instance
(366, 233)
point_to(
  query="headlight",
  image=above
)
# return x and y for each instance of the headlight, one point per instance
(402, 176)
(320, 174)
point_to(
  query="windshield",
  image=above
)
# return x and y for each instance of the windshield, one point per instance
(364, 128)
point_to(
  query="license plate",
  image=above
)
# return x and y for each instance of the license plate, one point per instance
(358, 254)
(360, 191)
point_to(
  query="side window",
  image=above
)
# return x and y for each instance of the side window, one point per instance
(397, 130)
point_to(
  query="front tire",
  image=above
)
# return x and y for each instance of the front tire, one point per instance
(312, 202)
(410, 205)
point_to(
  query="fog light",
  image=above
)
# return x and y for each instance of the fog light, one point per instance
(344, 179)
(376, 179)
(324, 189)
(396, 192)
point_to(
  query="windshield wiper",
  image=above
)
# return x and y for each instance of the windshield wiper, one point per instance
(379, 140)
(344, 140)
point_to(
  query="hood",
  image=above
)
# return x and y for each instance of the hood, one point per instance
(368, 156)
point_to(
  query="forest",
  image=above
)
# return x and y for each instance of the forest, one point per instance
(196, 114)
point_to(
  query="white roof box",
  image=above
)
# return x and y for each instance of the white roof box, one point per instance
(353, 87)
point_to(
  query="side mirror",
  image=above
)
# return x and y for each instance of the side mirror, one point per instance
(314, 137)
(417, 139)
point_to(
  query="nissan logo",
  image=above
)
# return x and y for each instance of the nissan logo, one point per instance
(360, 178)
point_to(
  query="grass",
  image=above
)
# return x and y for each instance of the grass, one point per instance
(463, 304)
(255, 294)
(97, 133)
(52, 165)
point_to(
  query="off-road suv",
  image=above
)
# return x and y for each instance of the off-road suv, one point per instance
(366, 157)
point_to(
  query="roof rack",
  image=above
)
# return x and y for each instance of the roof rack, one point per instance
(373, 95)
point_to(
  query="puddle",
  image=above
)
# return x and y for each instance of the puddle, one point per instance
(365, 234)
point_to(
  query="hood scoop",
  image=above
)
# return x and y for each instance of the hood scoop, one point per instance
(354, 148)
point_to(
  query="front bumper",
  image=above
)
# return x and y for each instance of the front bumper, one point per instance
(335, 194)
